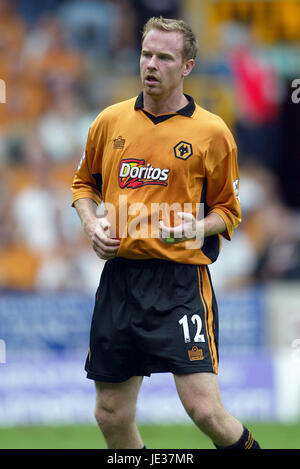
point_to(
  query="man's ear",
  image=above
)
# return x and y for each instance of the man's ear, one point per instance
(188, 67)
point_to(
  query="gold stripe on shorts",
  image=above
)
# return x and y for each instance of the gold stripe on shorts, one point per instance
(205, 292)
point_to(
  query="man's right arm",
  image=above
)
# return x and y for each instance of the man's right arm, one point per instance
(97, 229)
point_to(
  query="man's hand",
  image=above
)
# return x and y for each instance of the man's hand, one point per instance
(98, 234)
(97, 229)
(186, 231)
(190, 228)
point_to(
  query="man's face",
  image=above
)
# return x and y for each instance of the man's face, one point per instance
(161, 64)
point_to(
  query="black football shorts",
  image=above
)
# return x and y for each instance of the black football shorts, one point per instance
(152, 316)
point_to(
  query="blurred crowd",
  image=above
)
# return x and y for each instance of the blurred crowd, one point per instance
(61, 62)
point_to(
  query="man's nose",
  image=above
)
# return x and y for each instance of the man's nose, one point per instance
(152, 62)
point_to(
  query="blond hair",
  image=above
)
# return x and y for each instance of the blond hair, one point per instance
(190, 46)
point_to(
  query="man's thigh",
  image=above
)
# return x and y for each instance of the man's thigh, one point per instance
(198, 389)
(115, 396)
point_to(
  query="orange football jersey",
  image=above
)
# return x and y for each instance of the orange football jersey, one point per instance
(146, 168)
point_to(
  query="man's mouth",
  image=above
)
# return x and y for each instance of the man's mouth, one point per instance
(151, 79)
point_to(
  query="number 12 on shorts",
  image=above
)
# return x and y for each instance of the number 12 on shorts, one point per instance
(184, 322)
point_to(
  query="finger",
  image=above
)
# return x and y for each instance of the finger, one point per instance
(188, 225)
(106, 247)
(101, 241)
(178, 231)
(102, 237)
(171, 232)
(102, 228)
(165, 231)
(114, 242)
(105, 252)
(186, 216)
(105, 257)
(104, 223)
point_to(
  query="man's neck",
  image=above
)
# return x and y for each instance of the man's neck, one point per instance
(164, 105)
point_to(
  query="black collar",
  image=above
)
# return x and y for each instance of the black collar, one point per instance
(187, 110)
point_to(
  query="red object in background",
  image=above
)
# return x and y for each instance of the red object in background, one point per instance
(257, 87)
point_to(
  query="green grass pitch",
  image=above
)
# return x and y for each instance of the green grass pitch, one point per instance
(269, 435)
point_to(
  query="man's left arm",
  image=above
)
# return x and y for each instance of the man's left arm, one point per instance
(222, 195)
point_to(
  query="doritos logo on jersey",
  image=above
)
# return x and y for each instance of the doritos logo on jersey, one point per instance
(134, 172)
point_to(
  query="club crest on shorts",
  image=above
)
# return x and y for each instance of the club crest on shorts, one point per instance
(183, 150)
(195, 354)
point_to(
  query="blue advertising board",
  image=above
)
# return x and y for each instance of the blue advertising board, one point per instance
(242, 321)
(33, 323)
